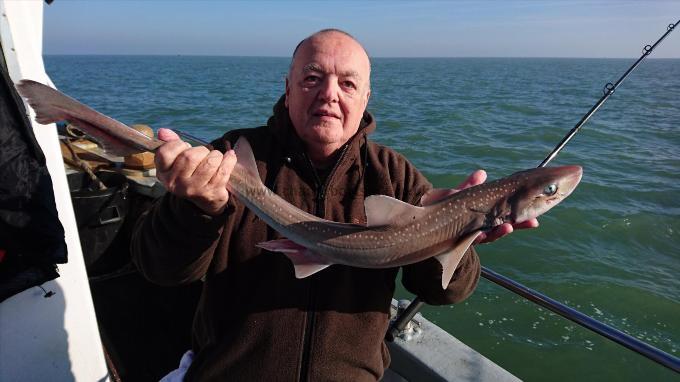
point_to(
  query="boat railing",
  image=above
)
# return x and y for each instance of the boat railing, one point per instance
(582, 319)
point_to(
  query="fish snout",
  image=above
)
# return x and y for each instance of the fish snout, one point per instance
(571, 176)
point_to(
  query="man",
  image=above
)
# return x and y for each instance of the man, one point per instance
(255, 320)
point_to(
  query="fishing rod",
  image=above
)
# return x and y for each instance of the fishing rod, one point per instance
(609, 89)
(555, 306)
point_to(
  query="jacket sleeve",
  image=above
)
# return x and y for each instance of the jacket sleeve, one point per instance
(173, 242)
(424, 278)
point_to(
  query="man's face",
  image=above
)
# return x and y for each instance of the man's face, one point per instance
(327, 91)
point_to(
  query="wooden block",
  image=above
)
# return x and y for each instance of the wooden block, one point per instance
(141, 161)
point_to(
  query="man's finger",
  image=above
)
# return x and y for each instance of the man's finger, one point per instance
(222, 174)
(531, 223)
(187, 161)
(434, 195)
(503, 230)
(207, 168)
(494, 234)
(167, 135)
(166, 155)
(477, 177)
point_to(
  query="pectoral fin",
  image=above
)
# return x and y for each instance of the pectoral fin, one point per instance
(382, 210)
(451, 258)
(306, 262)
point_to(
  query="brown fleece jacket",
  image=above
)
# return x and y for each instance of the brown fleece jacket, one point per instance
(255, 320)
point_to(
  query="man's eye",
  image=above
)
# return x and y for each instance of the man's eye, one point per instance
(312, 79)
(349, 84)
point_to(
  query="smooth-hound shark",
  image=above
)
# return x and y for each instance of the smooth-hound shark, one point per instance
(396, 233)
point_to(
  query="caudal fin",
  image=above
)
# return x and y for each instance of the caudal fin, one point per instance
(51, 106)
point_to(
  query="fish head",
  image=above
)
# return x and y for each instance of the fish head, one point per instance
(541, 189)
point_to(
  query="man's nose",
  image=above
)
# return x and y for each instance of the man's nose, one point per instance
(329, 90)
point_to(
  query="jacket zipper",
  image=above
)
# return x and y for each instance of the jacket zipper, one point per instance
(311, 313)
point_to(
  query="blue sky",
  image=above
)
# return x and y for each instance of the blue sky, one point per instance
(387, 28)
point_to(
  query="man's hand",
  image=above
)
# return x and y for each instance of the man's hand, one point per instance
(477, 177)
(194, 173)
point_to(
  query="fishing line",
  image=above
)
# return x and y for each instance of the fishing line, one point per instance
(555, 306)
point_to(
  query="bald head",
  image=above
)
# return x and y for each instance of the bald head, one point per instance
(319, 35)
(327, 90)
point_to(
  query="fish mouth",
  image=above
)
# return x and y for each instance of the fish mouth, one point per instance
(501, 220)
(559, 198)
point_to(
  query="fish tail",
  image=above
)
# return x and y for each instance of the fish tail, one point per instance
(51, 105)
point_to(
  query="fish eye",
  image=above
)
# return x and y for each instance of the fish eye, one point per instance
(550, 189)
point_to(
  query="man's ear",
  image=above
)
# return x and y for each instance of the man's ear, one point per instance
(287, 92)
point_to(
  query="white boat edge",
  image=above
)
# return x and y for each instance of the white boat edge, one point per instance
(56, 338)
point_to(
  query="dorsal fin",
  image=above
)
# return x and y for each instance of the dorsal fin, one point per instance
(383, 210)
(245, 158)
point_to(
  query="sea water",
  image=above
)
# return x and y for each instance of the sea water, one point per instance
(612, 250)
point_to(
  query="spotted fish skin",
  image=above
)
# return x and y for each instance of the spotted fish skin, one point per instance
(397, 233)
